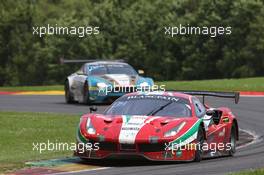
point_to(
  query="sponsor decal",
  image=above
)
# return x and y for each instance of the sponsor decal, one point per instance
(130, 127)
(93, 67)
(222, 133)
(158, 97)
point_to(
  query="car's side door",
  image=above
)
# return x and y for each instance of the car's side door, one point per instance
(215, 132)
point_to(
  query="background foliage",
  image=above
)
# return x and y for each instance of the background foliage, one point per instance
(133, 30)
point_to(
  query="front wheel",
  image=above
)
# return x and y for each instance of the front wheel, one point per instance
(68, 95)
(199, 145)
(233, 139)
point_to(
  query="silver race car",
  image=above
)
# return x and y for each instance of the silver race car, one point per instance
(103, 81)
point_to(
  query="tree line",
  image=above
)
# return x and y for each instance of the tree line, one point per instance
(135, 31)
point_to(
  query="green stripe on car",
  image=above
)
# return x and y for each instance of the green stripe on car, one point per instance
(192, 131)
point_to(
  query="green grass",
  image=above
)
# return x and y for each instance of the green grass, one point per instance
(19, 130)
(243, 84)
(250, 172)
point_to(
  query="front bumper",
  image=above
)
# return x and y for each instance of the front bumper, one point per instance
(96, 97)
(150, 151)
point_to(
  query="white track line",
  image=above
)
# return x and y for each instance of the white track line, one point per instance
(256, 138)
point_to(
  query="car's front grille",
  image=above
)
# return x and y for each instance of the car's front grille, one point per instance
(127, 147)
(151, 147)
(107, 146)
(140, 147)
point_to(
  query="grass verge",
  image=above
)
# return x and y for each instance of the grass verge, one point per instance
(250, 172)
(19, 130)
(243, 84)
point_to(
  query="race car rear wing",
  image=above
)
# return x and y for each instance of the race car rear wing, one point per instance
(234, 95)
(65, 61)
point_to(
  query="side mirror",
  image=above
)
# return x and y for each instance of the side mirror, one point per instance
(210, 112)
(80, 72)
(93, 109)
(141, 72)
(216, 115)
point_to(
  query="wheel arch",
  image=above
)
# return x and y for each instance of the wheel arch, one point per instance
(69, 79)
(237, 130)
(66, 80)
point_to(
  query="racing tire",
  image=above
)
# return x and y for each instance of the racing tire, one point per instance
(68, 95)
(86, 94)
(233, 139)
(199, 144)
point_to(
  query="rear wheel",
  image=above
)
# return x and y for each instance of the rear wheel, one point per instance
(68, 94)
(199, 145)
(233, 139)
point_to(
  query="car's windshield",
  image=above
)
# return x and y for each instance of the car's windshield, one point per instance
(97, 70)
(121, 69)
(101, 69)
(150, 105)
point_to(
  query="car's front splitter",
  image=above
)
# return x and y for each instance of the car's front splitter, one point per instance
(179, 155)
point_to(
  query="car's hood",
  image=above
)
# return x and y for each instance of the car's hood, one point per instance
(134, 128)
(123, 80)
(120, 79)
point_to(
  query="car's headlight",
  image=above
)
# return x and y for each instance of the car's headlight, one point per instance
(101, 85)
(144, 84)
(89, 127)
(174, 130)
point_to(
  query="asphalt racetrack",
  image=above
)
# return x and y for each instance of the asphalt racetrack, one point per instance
(249, 111)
